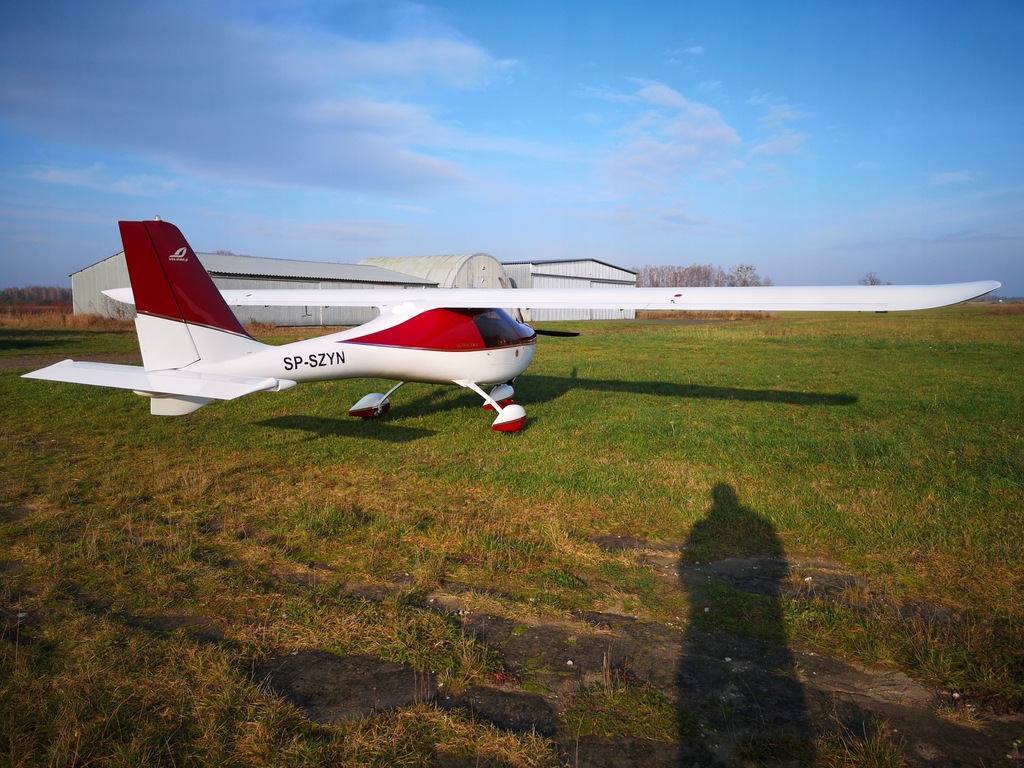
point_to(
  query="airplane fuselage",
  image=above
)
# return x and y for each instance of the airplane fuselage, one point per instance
(438, 346)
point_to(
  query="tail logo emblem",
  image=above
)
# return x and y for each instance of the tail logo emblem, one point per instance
(179, 255)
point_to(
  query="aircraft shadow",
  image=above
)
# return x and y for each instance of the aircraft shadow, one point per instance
(321, 426)
(23, 339)
(531, 390)
(544, 388)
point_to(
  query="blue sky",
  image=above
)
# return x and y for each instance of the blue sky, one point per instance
(817, 141)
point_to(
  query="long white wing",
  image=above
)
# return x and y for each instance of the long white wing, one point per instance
(857, 298)
(834, 298)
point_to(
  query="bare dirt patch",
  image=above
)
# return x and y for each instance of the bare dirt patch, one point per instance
(737, 693)
(333, 689)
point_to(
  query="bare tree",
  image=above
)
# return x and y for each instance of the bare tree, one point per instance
(698, 276)
(872, 279)
(746, 274)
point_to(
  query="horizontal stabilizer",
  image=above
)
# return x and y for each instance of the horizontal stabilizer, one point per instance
(209, 386)
(123, 295)
(854, 298)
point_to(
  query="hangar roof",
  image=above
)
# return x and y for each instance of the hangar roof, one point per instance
(451, 270)
(570, 261)
(254, 266)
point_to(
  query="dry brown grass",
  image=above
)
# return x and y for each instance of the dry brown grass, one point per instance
(654, 314)
(59, 317)
(1012, 308)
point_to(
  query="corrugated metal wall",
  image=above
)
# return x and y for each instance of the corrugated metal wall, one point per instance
(291, 316)
(519, 275)
(584, 273)
(87, 286)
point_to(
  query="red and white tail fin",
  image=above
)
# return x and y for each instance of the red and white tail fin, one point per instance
(182, 318)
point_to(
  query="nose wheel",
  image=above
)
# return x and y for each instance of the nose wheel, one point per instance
(511, 417)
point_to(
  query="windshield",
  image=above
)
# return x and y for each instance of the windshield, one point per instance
(498, 329)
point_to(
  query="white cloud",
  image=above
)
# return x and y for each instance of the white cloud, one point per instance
(670, 140)
(783, 142)
(243, 102)
(99, 178)
(334, 59)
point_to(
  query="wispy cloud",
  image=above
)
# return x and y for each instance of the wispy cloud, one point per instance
(783, 142)
(683, 55)
(673, 217)
(336, 59)
(671, 139)
(952, 177)
(99, 178)
(780, 138)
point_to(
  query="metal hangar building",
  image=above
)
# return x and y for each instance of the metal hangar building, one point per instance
(470, 270)
(461, 270)
(572, 273)
(240, 272)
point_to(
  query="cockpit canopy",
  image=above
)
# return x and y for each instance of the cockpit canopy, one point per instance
(454, 330)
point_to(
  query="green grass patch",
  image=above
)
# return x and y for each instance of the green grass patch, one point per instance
(621, 709)
(889, 443)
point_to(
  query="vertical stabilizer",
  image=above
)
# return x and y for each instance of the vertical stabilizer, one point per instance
(182, 318)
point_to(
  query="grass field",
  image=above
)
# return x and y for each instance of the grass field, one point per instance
(893, 444)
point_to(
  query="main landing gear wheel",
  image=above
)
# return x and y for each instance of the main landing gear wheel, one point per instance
(373, 405)
(502, 394)
(370, 407)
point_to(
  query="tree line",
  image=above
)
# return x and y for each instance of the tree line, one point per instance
(699, 276)
(36, 295)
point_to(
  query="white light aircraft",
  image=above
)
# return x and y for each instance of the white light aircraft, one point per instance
(194, 350)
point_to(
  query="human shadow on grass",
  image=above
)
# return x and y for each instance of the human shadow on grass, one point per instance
(740, 701)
